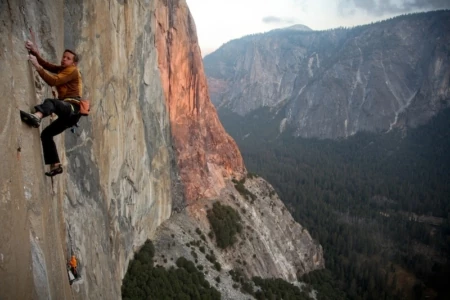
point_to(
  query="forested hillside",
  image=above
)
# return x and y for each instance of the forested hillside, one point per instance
(378, 203)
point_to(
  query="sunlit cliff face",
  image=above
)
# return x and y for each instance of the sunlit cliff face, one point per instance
(206, 155)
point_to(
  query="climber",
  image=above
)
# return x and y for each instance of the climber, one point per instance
(67, 80)
(72, 266)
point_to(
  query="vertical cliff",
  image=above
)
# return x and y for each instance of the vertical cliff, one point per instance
(206, 153)
(122, 171)
(32, 239)
(119, 180)
(152, 145)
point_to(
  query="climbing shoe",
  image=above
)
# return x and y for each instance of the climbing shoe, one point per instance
(55, 171)
(30, 119)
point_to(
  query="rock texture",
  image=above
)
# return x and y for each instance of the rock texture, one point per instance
(334, 83)
(257, 252)
(32, 240)
(206, 154)
(152, 145)
(120, 180)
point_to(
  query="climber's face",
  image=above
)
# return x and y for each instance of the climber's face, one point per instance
(68, 59)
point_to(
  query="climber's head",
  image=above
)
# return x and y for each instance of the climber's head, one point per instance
(69, 58)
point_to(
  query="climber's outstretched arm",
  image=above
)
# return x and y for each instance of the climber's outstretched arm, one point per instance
(32, 48)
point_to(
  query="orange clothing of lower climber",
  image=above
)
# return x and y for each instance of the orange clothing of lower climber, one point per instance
(73, 262)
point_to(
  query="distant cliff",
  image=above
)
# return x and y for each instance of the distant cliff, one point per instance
(206, 153)
(334, 83)
(151, 151)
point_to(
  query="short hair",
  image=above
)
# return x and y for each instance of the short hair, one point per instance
(76, 58)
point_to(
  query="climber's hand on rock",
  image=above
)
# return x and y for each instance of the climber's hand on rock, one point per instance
(30, 46)
(34, 61)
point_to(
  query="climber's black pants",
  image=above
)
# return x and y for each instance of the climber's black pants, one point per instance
(68, 116)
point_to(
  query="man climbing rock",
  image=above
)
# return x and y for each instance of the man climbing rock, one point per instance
(67, 80)
(72, 265)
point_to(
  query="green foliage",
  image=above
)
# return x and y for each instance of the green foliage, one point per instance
(247, 287)
(252, 175)
(218, 266)
(324, 283)
(211, 257)
(145, 255)
(277, 289)
(355, 197)
(237, 275)
(225, 223)
(144, 281)
(240, 280)
(266, 288)
(240, 187)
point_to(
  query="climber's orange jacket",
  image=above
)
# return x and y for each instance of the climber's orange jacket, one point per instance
(67, 79)
(73, 262)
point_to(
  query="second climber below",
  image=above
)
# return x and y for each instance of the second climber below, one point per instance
(67, 80)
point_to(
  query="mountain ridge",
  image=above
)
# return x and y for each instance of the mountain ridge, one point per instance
(341, 81)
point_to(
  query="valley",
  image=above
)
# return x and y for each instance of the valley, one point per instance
(378, 203)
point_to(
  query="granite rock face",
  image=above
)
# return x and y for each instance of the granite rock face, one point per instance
(271, 244)
(152, 145)
(120, 176)
(335, 83)
(206, 154)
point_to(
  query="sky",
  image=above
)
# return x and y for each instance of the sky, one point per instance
(219, 21)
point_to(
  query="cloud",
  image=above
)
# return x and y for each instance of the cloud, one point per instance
(382, 7)
(277, 20)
